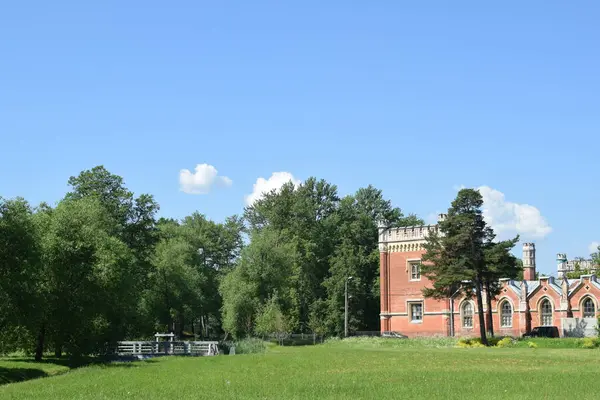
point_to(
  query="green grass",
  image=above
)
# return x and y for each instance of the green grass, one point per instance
(356, 368)
(22, 369)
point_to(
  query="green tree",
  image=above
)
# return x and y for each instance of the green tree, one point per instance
(265, 268)
(86, 277)
(209, 249)
(458, 254)
(332, 239)
(356, 254)
(133, 222)
(271, 320)
(596, 257)
(499, 263)
(302, 216)
(19, 273)
(175, 284)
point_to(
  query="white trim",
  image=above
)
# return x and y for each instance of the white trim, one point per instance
(499, 305)
(404, 314)
(409, 311)
(409, 264)
(582, 308)
(461, 307)
(539, 309)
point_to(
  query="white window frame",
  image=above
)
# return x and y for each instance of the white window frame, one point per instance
(471, 316)
(410, 311)
(583, 311)
(414, 262)
(544, 315)
(509, 316)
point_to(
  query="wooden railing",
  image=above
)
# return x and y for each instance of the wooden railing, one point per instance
(169, 348)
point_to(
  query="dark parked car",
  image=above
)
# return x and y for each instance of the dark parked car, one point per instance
(543, 331)
(392, 334)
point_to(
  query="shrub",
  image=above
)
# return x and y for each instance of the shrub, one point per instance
(532, 345)
(249, 346)
(469, 343)
(505, 342)
(590, 343)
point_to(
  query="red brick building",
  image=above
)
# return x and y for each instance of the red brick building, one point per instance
(569, 304)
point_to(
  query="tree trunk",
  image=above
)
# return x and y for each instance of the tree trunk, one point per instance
(181, 325)
(39, 348)
(480, 312)
(58, 349)
(489, 320)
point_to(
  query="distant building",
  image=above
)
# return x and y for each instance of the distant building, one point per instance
(564, 265)
(569, 304)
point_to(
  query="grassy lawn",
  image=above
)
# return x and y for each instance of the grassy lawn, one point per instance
(22, 369)
(361, 369)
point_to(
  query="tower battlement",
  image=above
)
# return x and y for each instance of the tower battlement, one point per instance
(406, 234)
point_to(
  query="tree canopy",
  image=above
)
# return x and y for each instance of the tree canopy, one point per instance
(100, 266)
(463, 257)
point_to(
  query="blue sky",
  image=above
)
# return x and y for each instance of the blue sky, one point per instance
(416, 98)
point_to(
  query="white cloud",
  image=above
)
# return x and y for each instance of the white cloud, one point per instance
(594, 247)
(202, 180)
(508, 218)
(263, 186)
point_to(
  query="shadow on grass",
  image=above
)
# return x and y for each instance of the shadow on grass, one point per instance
(11, 375)
(20, 374)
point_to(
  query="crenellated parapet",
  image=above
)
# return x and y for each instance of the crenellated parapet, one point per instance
(405, 239)
(405, 234)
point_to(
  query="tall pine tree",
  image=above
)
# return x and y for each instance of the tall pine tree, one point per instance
(457, 253)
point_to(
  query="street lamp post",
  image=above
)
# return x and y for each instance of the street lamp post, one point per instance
(346, 306)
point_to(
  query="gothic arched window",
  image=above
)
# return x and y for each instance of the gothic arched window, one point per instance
(589, 308)
(546, 313)
(506, 314)
(467, 315)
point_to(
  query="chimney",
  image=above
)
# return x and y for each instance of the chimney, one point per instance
(442, 217)
(529, 261)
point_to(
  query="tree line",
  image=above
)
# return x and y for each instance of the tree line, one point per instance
(100, 266)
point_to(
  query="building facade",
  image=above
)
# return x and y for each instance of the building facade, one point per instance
(569, 304)
(565, 266)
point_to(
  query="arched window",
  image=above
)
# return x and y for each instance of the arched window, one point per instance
(467, 315)
(589, 308)
(546, 313)
(506, 314)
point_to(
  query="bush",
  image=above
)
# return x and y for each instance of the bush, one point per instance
(532, 345)
(493, 342)
(470, 343)
(249, 346)
(505, 342)
(590, 343)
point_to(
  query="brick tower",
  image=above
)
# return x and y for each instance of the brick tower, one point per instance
(529, 261)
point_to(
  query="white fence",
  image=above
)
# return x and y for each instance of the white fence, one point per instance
(135, 348)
